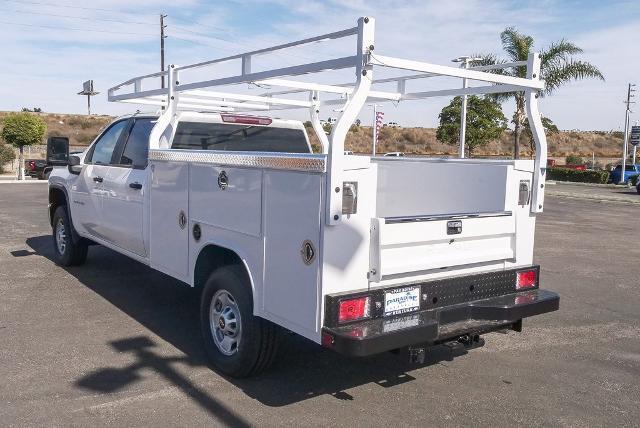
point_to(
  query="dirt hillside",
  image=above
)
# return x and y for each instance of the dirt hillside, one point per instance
(81, 130)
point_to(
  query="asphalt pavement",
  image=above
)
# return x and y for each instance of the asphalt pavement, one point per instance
(116, 343)
(595, 192)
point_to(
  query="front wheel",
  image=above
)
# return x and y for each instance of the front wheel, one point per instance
(238, 343)
(68, 253)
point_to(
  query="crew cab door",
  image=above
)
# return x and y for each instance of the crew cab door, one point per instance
(87, 192)
(126, 185)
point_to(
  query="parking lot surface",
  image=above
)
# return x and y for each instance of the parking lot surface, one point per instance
(115, 343)
(598, 192)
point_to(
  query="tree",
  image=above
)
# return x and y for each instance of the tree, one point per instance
(574, 160)
(485, 122)
(23, 129)
(547, 124)
(557, 68)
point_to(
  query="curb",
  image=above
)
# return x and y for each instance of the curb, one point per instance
(574, 183)
(23, 181)
(593, 197)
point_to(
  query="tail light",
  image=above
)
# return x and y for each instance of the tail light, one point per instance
(248, 120)
(526, 279)
(354, 309)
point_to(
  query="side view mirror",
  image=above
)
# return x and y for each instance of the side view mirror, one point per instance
(74, 164)
(57, 151)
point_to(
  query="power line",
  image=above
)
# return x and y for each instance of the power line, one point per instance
(205, 27)
(79, 17)
(63, 5)
(76, 29)
(298, 55)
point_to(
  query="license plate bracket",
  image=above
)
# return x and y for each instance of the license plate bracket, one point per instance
(401, 300)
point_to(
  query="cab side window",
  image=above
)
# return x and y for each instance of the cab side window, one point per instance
(104, 147)
(136, 152)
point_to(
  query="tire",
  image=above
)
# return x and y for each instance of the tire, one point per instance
(638, 189)
(67, 252)
(237, 343)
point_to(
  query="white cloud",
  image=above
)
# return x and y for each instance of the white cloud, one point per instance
(47, 66)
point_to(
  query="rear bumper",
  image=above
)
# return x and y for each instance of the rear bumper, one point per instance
(432, 326)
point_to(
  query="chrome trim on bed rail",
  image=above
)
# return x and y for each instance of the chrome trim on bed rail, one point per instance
(436, 217)
(286, 161)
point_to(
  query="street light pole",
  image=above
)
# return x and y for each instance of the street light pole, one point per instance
(465, 61)
(626, 132)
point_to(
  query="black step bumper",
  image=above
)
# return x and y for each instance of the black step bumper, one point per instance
(432, 326)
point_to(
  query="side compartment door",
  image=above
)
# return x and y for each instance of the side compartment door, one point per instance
(291, 250)
(169, 230)
(126, 185)
(87, 194)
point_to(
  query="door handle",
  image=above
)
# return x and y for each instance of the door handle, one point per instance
(98, 179)
(135, 185)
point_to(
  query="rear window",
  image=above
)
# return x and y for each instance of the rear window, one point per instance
(246, 138)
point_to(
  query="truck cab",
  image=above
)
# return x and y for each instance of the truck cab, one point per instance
(112, 176)
(629, 171)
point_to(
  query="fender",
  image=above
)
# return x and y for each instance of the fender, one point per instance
(74, 233)
(239, 253)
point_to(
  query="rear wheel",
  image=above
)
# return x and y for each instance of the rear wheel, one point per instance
(238, 343)
(68, 253)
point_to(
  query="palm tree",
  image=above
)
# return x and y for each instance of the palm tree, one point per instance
(557, 67)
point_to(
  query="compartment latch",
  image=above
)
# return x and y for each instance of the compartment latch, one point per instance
(349, 197)
(524, 194)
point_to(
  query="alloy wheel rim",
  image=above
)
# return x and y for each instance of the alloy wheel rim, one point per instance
(225, 322)
(61, 237)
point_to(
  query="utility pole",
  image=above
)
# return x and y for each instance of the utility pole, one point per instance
(465, 61)
(626, 131)
(162, 37)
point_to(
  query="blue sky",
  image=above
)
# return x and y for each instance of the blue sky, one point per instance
(113, 40)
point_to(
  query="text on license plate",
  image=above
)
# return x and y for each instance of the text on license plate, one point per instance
(401, 300)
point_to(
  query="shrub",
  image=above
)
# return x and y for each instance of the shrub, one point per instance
(574, 160)
(7, 154)
(566, 174)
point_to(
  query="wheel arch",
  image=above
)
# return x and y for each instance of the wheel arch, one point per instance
(57, 197)
(212, 256)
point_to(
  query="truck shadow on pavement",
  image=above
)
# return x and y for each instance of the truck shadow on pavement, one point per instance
(170, 310)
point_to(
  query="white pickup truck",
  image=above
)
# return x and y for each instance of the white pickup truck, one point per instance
(360, 254)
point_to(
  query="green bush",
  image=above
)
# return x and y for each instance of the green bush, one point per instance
(566, 174)
(574, 160)
(7, 154)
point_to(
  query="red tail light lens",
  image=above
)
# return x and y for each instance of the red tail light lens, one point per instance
(354, 309)
(248, 120)
(526, 279)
